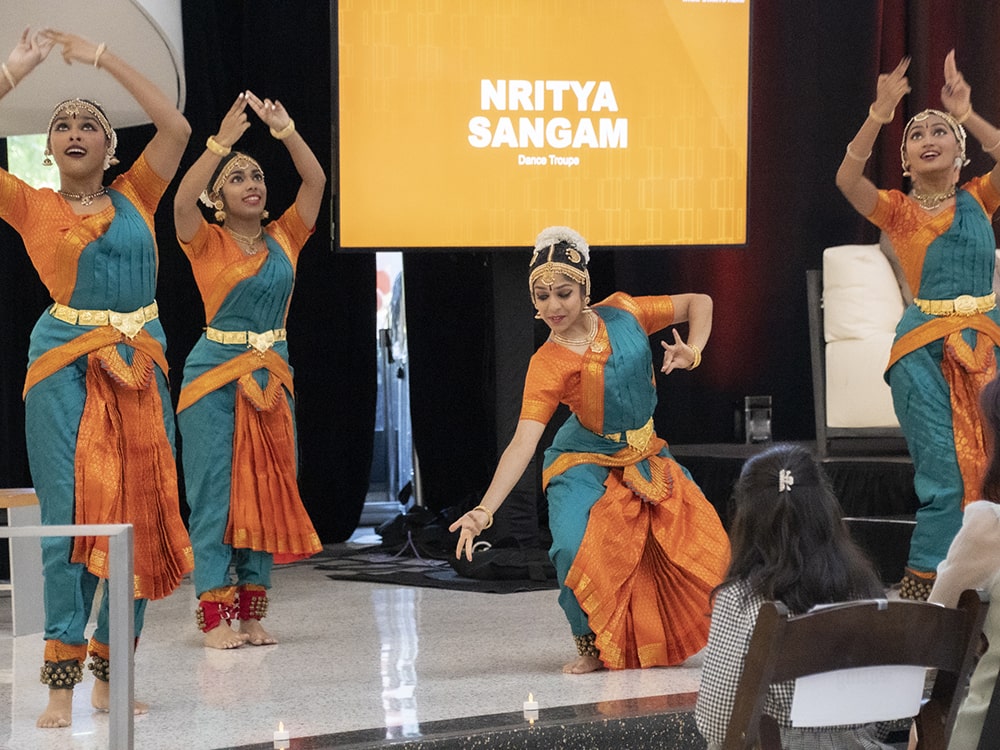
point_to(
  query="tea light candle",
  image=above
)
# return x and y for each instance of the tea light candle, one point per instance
(531, 708)
(281, 738)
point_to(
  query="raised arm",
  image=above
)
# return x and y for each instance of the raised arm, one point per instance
(187, 215)
(310, 195)
(858, 189)
(27, 54)
(515, 459)
(167, 146)
(956, 97)
(696, 311)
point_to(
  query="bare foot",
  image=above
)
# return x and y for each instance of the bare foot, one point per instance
(59, 712)
(100, 698)
(222, 636)
(255, 633)
(583, 664)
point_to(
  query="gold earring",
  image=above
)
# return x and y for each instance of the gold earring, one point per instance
(47, 161)
(265, 215)
(538, 315)
(220, 214)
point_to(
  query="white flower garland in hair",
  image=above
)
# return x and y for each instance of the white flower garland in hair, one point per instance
(553, 235)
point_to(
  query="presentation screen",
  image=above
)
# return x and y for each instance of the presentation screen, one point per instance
(468, 124)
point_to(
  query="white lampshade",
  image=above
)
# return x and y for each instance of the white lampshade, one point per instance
(145, 33)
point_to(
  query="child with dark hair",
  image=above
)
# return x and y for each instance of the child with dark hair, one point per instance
(789, 544)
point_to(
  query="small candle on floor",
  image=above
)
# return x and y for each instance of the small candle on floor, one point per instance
(531, 709)
(281, 738)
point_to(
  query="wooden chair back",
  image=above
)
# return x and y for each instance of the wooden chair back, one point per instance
(865, 633)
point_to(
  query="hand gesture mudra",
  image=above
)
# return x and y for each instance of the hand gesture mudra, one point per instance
(29, 51)
(234, 124)
(890, 90)
(271, 113)
(677, 355)
(956, 93)
(74, 47)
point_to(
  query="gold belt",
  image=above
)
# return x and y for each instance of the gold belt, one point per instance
(129, 323)
(964, 304)
(637, 439)
(259, 341)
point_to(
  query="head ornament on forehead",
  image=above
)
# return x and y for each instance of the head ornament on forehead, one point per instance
(559, 250)
(956, 128)
(74, 108)
(212, 196)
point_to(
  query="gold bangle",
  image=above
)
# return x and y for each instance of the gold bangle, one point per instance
(100, 51)
(992, 148)
(285, 131)
(489, 516)
(217, 148)
(878, 118)
(855, 156)
(964, 117)
(697, 357)
(9, 76)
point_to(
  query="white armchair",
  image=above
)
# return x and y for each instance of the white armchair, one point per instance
(854, 306)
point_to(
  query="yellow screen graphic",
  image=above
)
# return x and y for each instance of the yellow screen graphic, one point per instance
(476, 123)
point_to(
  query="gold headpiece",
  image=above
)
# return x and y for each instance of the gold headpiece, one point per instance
(954, 125)
(212, 197)
(72, 108)
(559, 250)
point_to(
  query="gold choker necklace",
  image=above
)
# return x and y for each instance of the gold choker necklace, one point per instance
(247, 242)
(929, 202)
(585, 341)
(85, 198)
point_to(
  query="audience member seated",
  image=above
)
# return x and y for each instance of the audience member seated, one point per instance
(789, 544)
(973, 561)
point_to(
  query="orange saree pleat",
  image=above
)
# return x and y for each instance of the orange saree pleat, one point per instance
(967, 371)
(649, 604)
(265, 511)
(125, 473)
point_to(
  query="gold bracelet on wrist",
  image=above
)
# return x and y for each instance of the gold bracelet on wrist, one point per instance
(992, 148)
(489, 516)
(285, 131)
(217, 148)
(97, 55)
(697, 357)
(879, 118)
(9, 76)
(965, 116)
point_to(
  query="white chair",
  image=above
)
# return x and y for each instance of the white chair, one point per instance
(854, 306)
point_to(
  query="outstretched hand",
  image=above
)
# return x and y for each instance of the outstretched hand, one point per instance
(271, 113)
(890, 89)
(29, 51)
(956, 93)
(676, 355)
(234, 124)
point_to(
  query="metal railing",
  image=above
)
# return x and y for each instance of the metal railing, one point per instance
(121, 617)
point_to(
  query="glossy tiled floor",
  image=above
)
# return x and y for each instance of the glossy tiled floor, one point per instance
(352, 656)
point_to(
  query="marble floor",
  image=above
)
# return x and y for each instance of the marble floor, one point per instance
(352, 656)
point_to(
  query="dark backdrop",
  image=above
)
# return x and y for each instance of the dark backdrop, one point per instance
(469, 318)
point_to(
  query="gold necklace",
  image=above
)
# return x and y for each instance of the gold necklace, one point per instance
(585, 341)
(85, 198)
(246, 241)
(929, 202)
